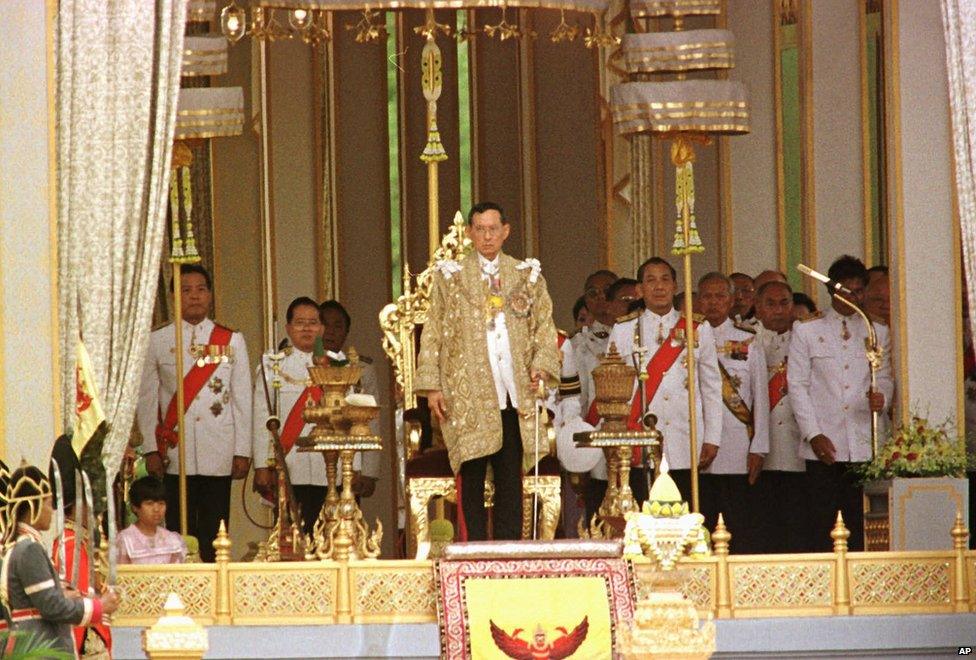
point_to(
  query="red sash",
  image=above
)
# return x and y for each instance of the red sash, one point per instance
(295, 422)
(193, 382)
(659, 364)
(777, 386)
(103, 631)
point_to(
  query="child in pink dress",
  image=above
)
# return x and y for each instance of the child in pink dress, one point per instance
(146, 541)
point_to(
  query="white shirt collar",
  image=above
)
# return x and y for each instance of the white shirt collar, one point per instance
(490, 266)
(655, 318)
(202, 329)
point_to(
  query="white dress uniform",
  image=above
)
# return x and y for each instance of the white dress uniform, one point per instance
(670, 402)
(589, 345)
(218, 420)
(567, 419)
(746, 365)
(784, 433)
(829, 379)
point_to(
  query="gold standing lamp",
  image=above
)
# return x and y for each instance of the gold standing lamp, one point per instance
(660, 99)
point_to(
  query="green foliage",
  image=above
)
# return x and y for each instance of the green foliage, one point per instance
(919, 449)
(31, 645)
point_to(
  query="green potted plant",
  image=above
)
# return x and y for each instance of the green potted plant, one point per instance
(914, 486)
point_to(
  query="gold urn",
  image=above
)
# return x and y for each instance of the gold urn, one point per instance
(614, 383)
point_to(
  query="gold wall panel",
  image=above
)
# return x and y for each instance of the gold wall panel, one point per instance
(143, 593)
(899, 584)
(781, 588)
(698, 586)
(289, 593)
(400, 591)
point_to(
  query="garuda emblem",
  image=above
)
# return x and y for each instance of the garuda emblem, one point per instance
(540, 648)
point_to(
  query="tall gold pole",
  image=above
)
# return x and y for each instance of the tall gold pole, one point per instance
(431, 81)
(687, 242)
(267, 220)
(180, 394)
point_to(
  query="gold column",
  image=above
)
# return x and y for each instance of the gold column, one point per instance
(960, 602)
(720, 542)
(526, 129)
(642, 199)
(222, 602)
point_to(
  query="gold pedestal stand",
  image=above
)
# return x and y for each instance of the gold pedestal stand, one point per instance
(614, 383)
(341, 430)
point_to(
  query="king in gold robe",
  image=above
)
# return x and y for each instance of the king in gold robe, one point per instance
(454, 353)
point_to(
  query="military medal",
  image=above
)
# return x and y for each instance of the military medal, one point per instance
(216, 408)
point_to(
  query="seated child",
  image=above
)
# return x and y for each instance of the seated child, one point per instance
(146, 541)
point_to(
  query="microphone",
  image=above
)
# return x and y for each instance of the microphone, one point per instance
(836, 287)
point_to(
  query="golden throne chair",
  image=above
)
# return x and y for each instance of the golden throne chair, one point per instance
(424, 476)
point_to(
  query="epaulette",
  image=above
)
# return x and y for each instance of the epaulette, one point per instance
(697, 318)
(533, 266)
(629, 317)
(745, 328)
(812, 317)
(288, 350)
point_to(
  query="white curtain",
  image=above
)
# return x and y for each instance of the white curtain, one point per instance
(118, 76)
(959, 22)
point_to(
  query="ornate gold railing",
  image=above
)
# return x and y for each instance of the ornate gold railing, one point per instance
(394, 591)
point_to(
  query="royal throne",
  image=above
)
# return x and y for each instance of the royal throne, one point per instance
(423, 471)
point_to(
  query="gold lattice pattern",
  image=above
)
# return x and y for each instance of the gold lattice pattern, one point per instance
(697, 587)
(385, 592)
(144, 595)
(900, 582)
(781, 585)
(282, 594)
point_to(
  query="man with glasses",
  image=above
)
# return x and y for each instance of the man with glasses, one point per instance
(488, 345)
(744, 298)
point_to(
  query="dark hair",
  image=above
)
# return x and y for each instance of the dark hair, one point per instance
(608, 273)
(658, 261)
(336, 305)
(303, 301)
(847, 267)
(186, 269)
(577, 306)
(713, 276)
(614, 288)
(878, 269)
(738, 274)
(768, 285)
(146, 489)
(481, 207)
(800, 298)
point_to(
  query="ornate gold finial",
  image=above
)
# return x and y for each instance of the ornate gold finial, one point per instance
(222, 544)
(840, 534)
(721, 537)
(175, 635)
(959, 532)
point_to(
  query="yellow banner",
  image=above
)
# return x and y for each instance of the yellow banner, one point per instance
(88, 409)
(558, 617)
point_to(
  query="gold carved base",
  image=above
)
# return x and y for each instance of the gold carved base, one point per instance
(421, 491)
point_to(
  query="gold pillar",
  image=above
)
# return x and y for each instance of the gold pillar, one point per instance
(842, 598)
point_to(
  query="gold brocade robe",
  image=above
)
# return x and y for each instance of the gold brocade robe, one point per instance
(454, 356)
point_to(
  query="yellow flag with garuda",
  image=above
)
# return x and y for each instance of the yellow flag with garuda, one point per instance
(533, 608)
(89, 414)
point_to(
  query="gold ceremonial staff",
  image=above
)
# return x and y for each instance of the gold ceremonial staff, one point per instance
(182, 251)
(872, 351)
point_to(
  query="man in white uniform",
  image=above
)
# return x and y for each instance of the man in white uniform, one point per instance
(726, 484)
(779, 503)
(658, 330)
(217, 387)
(830, 384)
(306, 470)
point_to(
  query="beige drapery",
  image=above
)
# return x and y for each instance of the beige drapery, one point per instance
(959, 23)
(118, 76)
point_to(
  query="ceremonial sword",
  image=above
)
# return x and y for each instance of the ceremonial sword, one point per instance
(76, 553)
(112, 529)
(59, 519)
(91, 532)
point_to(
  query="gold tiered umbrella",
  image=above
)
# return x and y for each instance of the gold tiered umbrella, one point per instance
(661, 99)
